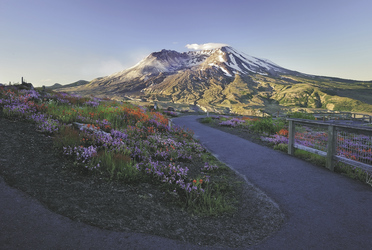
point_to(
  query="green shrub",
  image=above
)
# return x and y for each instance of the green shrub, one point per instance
(206, 120)
(300, 115)
(267, 125)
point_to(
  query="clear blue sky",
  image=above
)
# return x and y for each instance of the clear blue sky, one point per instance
(62, 41)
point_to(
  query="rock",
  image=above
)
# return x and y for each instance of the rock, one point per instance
(82, 126)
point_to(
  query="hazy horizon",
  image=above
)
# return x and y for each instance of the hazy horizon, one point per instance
(49, 42)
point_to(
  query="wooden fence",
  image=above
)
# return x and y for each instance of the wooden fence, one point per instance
(331, 153)
(334, 115)
(342, 116)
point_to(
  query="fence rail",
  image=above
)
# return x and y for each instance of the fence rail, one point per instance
(335, 115)
(332, 142)
(343, 116)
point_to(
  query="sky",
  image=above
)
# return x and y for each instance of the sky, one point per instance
(54, 41)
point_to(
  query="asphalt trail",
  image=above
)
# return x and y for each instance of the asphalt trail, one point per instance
(324, 210)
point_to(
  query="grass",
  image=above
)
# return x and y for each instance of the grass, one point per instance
(119, 166)
(350, 171)
(354, 173)
(304, 155)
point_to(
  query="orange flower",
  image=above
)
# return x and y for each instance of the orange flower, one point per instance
(283, 132)
(200, 181)
(194, 181)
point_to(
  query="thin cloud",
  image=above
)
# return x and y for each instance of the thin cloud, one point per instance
(205, 46)
(111, 66)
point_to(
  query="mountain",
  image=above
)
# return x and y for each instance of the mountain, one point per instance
(74, 84)
(224, 61)
(226, 80)
(55, 86)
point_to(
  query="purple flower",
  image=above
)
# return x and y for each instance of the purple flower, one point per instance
(49, 126)
(92, 103)
(276, 139)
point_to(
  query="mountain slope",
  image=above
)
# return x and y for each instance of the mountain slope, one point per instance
(226, 80)
(74, 84)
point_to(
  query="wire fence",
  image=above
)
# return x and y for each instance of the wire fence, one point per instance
(312, 136)
(349, 144)
(357, 147)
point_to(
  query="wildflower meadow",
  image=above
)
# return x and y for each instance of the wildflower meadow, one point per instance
(125, 143)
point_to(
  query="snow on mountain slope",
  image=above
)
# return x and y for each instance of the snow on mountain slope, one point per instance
(245, 64)
(225, 60)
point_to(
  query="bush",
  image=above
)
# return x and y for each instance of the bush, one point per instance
(300, 115)
(206, 120)
(267, 125)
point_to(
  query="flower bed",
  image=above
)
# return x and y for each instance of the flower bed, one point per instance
(122, 141)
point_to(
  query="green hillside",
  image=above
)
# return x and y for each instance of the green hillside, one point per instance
(249, 94)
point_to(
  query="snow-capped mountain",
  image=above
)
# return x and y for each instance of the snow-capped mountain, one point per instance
(232, 62)
(220, 79)
(219, 76)
(225, 60)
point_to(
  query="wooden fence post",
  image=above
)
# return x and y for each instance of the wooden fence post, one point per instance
(291, 137)
(331, 147)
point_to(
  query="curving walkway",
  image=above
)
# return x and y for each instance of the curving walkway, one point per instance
(27, 224)
(324, 210)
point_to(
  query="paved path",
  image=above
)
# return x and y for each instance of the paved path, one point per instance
(324, 210)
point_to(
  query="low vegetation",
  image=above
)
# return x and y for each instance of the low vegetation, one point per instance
(126, 143)
(251, 94)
